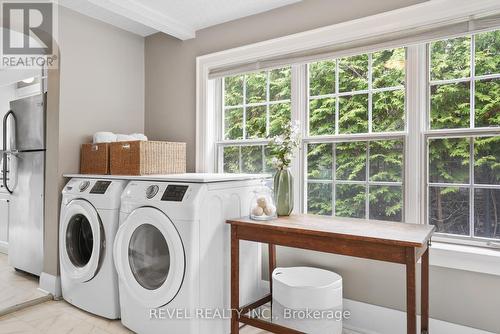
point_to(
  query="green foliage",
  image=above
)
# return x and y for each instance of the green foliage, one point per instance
(487, 53)
(320, 161)
(322, 116)
(233, 123)
(386, 160)
(351, 161)
(385, 203)
(231, 159)
(388, 113)
(251, 157)
(389, 68)
(487, 160)
(386, 157)
(279, 84)
(450, 59)
(350, 200)
(450, 106)
(353, 114)
(487, 102)
(256, 122)
(450, 159)
(353, 73)
(319, 198)
(256, 87)
(233, 91)
(322, 78)
(279, 114)
(257, 108)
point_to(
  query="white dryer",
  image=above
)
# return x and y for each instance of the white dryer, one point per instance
(172, 253)
(88, 224)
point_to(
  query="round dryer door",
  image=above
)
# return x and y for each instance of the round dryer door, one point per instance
(149, 257)
(82, 241)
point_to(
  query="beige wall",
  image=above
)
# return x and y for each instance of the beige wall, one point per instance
(101, 88)
(457, 296)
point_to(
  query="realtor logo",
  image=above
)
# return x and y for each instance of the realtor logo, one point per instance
(28, 33)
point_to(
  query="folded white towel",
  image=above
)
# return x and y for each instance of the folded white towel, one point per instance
(139, 136)
(104, 137)
(122, 137)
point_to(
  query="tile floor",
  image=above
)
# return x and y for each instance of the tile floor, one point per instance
(16, 287)
(59, 317)
(52, 317)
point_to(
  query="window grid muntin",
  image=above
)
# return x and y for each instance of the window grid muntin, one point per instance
(367, 183)
(470, 133)
(366, 137)
(246, 105)
(472, 79)
(240, 145)
(244, 141)
(471, 186)
(369, 92)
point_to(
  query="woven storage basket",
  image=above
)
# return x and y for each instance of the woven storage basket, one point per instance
(147, 157)
(94, 159)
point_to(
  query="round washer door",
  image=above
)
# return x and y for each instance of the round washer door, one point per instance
(149, 257)
(82, 241)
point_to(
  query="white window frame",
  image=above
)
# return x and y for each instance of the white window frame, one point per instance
(425, 14)
(361, 137)
(222, 142)
(466, 133)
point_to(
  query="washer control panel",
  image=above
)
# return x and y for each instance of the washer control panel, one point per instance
(100, 187)
(174, 193)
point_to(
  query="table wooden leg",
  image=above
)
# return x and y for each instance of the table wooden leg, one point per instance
(235, 280)
(411, 294)
(425, 293)
(272, 265)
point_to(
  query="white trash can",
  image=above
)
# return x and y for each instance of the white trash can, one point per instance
(308, 300)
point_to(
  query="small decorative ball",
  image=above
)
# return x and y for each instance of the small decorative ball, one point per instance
(270, 210)
(262, 202)
(257, 211)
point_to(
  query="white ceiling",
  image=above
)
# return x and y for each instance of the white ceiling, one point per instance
(179, 18)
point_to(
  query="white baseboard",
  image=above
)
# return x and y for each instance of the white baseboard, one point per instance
(51, 284)
(4, 247)
(372, 319)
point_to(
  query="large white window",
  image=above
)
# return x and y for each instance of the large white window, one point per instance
(361, 133)
(463, 178)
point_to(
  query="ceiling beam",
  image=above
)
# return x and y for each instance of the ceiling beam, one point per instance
(137, 12)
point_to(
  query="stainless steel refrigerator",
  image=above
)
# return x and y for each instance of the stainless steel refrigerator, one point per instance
(24, 177)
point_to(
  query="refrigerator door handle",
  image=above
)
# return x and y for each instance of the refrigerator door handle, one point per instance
(5, 154)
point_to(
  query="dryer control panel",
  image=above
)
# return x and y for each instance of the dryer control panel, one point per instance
(174, 193)
(100, 187)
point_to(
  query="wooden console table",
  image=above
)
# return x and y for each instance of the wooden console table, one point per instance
(376, 240)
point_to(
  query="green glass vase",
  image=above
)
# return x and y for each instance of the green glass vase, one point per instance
(283, 192)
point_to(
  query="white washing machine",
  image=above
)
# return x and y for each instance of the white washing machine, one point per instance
(172, 253)
(89, 221)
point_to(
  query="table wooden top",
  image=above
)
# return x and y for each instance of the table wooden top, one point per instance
(382, 232)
